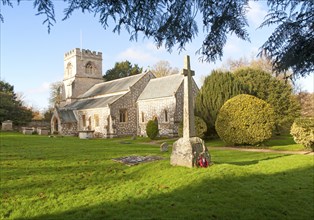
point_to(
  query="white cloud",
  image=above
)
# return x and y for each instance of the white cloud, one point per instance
(153, 48)
(44, 87)
(256, 13)
(137, 55)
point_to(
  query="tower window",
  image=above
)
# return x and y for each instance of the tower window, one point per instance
(123, 115)
(143, 119)
(96, 119)
(83, 120)
(69, 69)
(89, 69)
(166, 115)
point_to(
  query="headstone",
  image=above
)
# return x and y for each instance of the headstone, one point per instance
(88, 134)
(26, 130)
(164, 147)
(187, 150)
(7, 126)
(43, 131)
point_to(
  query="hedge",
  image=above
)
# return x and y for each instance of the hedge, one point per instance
(302, 131)
(152, 129)
(245, 119)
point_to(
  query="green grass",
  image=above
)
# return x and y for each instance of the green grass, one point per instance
(69, 178)
(279, 143)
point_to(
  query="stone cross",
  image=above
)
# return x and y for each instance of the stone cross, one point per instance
(187, 150)
(188, 107)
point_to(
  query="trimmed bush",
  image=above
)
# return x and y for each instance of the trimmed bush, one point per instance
(200, 127)
(245, 119)
(152, 129)
(302, 131)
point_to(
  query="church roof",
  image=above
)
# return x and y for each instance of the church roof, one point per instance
(66, 116)
(114, 86)
(93, 102)
(162, 87)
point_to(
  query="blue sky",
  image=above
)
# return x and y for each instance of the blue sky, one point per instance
(31, 58)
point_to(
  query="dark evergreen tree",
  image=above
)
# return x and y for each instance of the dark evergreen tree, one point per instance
(218, 87)
(274, 91)
(122, 69)
(173, 23)
(291, 45)
(10, 107)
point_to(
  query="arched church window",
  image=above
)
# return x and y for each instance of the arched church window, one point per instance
(69, 69)
(89, 69)
(83, 120)
(166, 115)
(123, 115)
(143, 117)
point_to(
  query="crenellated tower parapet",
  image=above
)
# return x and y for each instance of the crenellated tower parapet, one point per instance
(82, 70)
(83, 53)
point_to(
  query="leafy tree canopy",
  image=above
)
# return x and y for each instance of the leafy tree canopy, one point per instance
(172, 23)
(55, 93)
(11, 107)
(272, 90)
(122, 69)
(163, 68)
(218, 87)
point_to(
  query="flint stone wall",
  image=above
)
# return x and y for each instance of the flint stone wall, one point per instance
(155, 108)
(128, 101)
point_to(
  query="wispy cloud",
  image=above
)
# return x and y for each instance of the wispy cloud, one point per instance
(255, 14)
(44, 87)
(137, 55)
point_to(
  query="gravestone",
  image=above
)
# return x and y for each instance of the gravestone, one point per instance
(7, 126)
(187, 150)
(164, 147)
(27, 130)
(43, 131)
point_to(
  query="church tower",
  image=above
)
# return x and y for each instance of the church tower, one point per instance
(82, 70)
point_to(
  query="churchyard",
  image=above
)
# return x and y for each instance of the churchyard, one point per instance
(71, 178)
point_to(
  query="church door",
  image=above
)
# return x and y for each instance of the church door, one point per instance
(55, 125)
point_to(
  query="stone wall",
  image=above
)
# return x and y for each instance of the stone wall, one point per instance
(128, 102)
(164, 109)
(109, 118)
(68, 129)
(102, 113)
(156, 108)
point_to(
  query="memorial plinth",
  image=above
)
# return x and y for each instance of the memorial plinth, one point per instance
(187, 150)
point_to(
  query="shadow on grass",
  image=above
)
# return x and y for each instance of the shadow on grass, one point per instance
(252, 162)
(280, 141)
(283, 195)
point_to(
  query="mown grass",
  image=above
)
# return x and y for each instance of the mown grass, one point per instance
(280, 143)
(69, 178)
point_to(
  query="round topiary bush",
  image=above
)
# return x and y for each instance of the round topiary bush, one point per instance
(200, 127)
(245, 119)
(152, 129)
(302, 131)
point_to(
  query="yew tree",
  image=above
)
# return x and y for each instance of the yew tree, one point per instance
(218, 87)
(274, 91)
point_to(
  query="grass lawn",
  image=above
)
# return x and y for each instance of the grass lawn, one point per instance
(280, 143)
(69, 178)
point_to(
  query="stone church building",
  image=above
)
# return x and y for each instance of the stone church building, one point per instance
(119, 107)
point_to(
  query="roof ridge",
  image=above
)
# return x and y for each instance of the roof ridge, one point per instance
(163, 77)
(126, 77)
